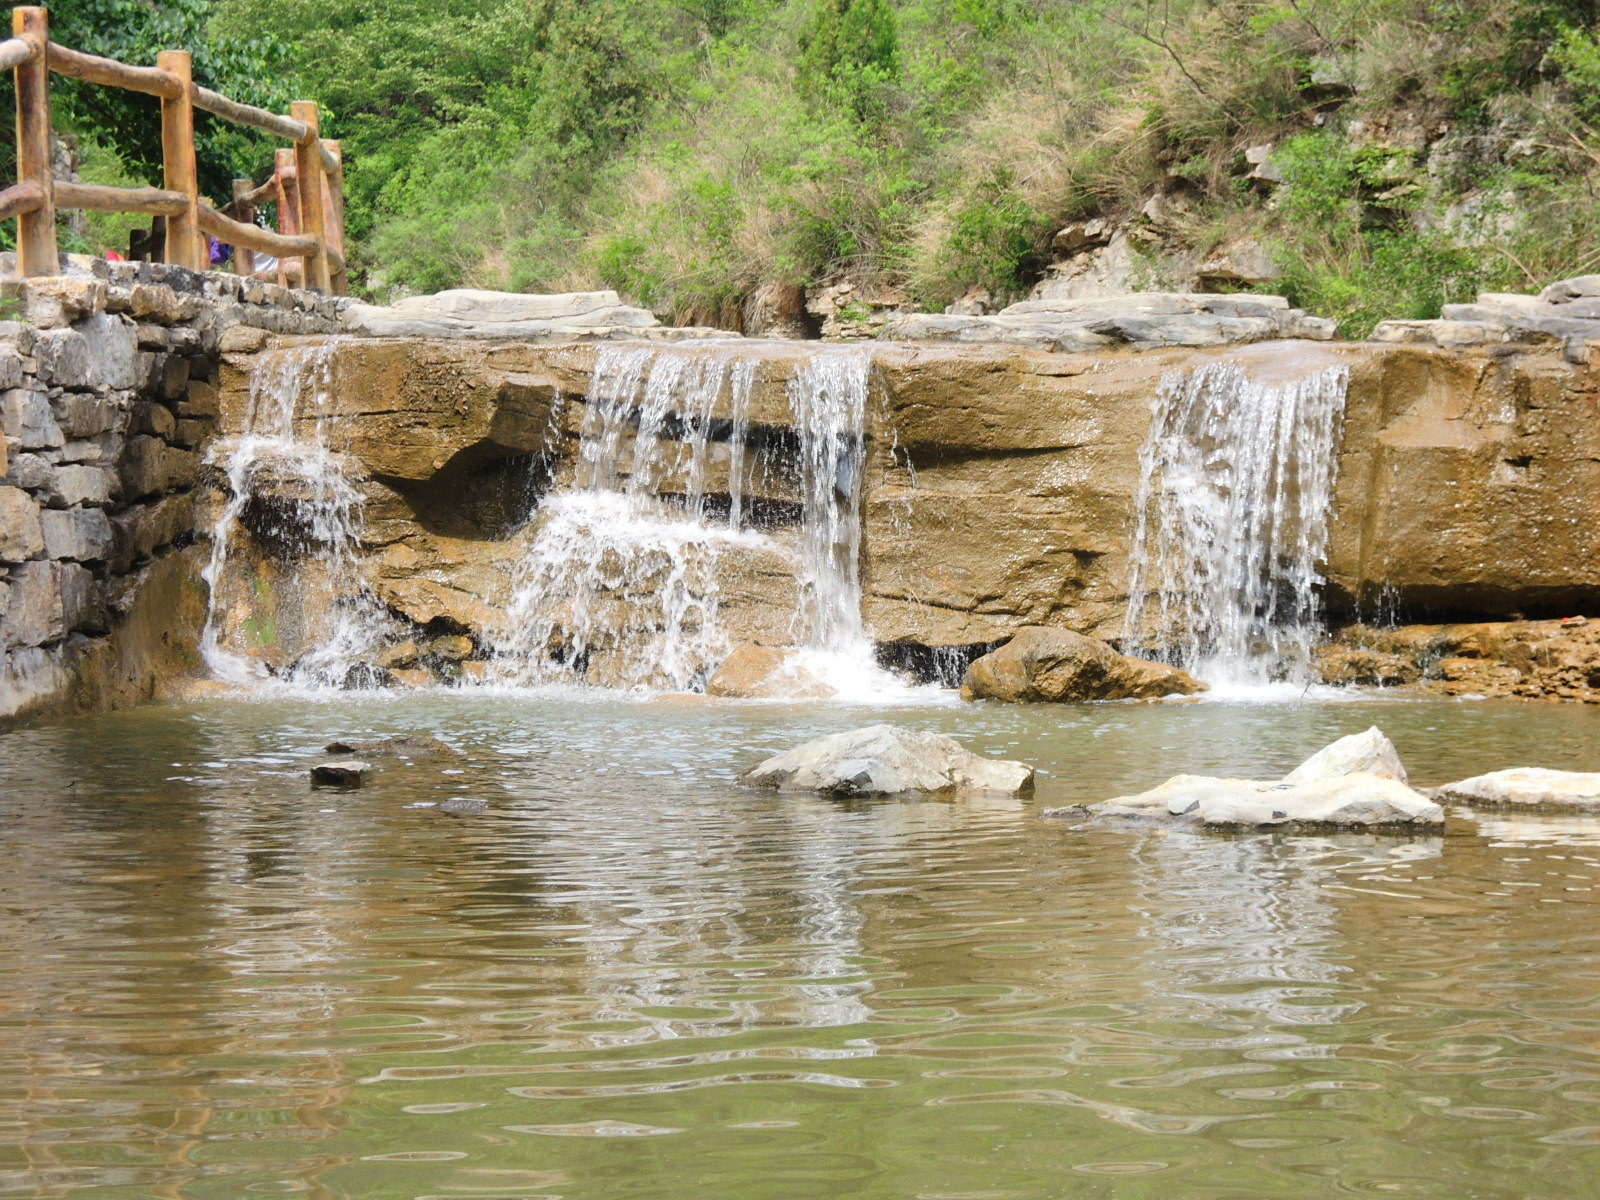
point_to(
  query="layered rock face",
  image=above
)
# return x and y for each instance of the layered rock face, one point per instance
(1001, 483)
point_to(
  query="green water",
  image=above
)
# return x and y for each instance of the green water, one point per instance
(632, 978)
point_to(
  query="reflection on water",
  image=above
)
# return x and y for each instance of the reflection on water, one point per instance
(631, 978)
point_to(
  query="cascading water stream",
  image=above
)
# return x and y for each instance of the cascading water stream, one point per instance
(286, 486)
(620, 582)
(1236, 482)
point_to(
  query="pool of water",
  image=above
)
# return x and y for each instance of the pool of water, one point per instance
(631, 977)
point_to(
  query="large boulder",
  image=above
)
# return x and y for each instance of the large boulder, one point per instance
(1347, 801)
(1527, 787)
(885, 760)
(1057, 664)
(1367, 753)
(756, 672)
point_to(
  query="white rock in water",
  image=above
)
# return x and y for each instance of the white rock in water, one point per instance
(1368, 753)
(885, 760)
(1356, 800)
(1527, 787)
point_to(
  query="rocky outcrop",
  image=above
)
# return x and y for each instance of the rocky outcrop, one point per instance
(1143, 321)
(1533, 660)
(1567, 312)
(1527, 788)
(1053, 665)
(885, 760)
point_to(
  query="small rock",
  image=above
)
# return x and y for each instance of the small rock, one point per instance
(1368, 753)
(410, 745)
(347, 773)
(462, 806)
(885, 760)
(1527, 787)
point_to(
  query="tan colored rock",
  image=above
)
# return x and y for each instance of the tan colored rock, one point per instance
(756, 672)
(21, 536)
(1056, 664)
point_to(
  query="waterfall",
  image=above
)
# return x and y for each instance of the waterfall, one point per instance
(293, 495)
(1236, 481)
(620, 582)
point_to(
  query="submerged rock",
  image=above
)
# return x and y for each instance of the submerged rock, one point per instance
(409, 745)
(345, 773)
(1356, 800)
(1368, 753)
(755, 672)
(464, 806)
(1057, 664)
(885, 760)
(1527, 787)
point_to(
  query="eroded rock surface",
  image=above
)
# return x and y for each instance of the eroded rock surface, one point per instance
(1040, 664)
(1565, 312)
(886, 760)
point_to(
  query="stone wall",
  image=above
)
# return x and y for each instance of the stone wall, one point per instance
(108, 395)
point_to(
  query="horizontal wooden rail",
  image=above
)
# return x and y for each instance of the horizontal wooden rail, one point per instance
(249, 114)
(152, 81)
(16, 51)
(21, 198)
(237, 233)
(307, 184)
(94, 198)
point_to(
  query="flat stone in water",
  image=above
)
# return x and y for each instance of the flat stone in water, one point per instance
(1347, 801)
(1527, 787)
(408, 745)
(885, 760)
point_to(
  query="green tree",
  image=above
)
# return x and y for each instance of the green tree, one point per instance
(849, 54)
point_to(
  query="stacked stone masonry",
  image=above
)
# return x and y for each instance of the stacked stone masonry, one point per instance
(108, 393)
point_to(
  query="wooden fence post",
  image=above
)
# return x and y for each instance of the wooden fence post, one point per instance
(36, 230)
(185, 245)
(333, 206)
(244, 258)
(288, 206)
(308, 167)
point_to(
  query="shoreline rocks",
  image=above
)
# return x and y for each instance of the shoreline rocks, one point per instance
(886, 760)
(1054, 665)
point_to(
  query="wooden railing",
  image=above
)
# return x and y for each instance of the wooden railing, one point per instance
(310, 218)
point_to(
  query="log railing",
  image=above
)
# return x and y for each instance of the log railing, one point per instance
(310, 218)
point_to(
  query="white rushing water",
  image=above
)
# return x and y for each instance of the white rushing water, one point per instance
(283, 471)
(620, 583)
(1236, 482)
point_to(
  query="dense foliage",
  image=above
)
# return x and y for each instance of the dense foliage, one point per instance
(687, 151)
